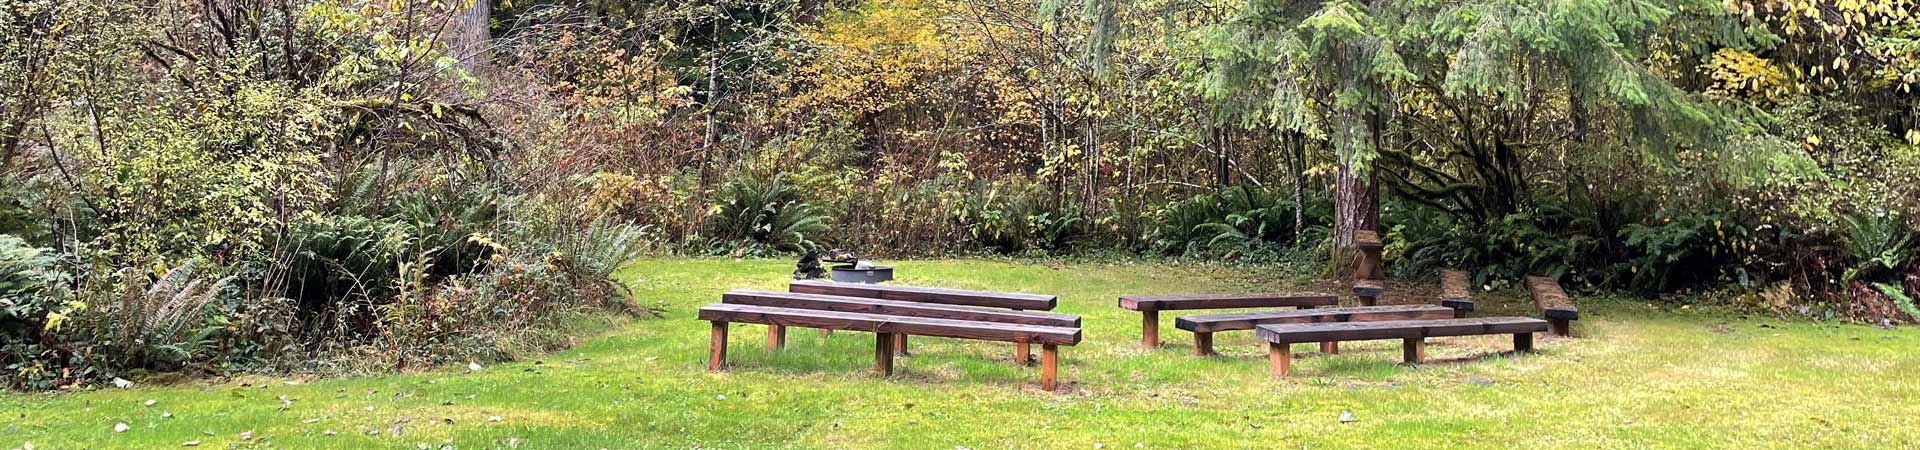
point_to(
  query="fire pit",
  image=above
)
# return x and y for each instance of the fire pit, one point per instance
(861, 272)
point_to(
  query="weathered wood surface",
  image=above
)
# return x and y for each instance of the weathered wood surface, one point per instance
(1226, 301)
(1456, 291)
(1369, 290)
(1366, 239)
(897, 308)
(1397, 329)
(1248, 320)
(1009, 300)
(878, 323)
(1552, 302)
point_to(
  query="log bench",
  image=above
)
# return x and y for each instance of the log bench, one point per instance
(920, 294)
(1553, 304)
(887, 319)
(1456, 291)
(1412, 333)
(1150, 306)
(1203, 326)
(1369, 275)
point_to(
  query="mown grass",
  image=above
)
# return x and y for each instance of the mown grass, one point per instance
(1636, 377)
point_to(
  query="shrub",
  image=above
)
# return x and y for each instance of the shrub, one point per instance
(761, 216)
(34, 308)
(1232, 222)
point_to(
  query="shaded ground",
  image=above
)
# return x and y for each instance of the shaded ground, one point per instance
(1637, 377)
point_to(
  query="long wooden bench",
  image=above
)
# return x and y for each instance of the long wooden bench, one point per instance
(898, 319)
(1553, 304)
(1412, 333)
(1203, 326)
(1456, 291)
(1150, 306)
(990, 299)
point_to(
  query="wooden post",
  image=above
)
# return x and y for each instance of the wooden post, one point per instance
(1280, 359)
(717, 349)
(1202, 344)
(1049, 366)
(1414, 350)
(883, 354)
(1561, 327)
(1022, 352)
(1330, 347)
(825, 332)
(900, 344)
(1522, 342)
(776, 337)
(1150, 329)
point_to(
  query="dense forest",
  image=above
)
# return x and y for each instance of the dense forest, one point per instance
(223, 186)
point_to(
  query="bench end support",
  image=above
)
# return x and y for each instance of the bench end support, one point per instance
(717, 349)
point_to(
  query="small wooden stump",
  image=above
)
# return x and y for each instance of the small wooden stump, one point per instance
(717, 349)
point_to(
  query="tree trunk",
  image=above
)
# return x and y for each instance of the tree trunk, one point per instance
(467, 41)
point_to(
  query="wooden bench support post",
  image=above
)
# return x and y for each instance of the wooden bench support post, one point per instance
(776, 337)
(825, 332)
(1414, 350)
(1522, 342)
(1280, 359)
(1330, 347)
(1202, 344)
(717, 350)
(1049, 366)
(1561, 327)
(900, 344)
(1150, 329)
(883, 354)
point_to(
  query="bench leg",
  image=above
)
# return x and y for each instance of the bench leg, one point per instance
(1202, 344)
(1561, 327)
(717, 350)
(1330, 347)
(1150, 329)
(825, 332)
(1414, 350)
(1369, 301)
(1459, 313)
(1280, 359)
(776, 337)
(883, 354)
(1022, 353)
(1522, 342)
(1049, 366)
(900, 344)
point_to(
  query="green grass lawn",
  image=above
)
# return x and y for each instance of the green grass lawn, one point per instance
(1636, 377)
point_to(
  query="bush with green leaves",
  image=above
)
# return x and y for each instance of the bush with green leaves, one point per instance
(763, 216)
(1236, 221)
(34, 308)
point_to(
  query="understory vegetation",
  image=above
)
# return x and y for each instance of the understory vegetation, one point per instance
(353, 185)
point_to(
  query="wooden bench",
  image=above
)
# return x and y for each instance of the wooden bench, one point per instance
(919, 294)
(899, 318)
(1412, 333)
(1369, 275)
(1203, 326)
(1456, 291)
(1150, 306)
(1553, 304)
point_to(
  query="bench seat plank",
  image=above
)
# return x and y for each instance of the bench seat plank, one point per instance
(896, 308)
(1398, 329)
(1009, 300)
(890, 324)
(1248, 320)
(1551, 300)
(1226, 301)
(1456, 290)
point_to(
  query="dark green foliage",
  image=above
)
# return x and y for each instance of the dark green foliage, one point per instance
(1234, 222)
(33, 308)
(763, 215)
